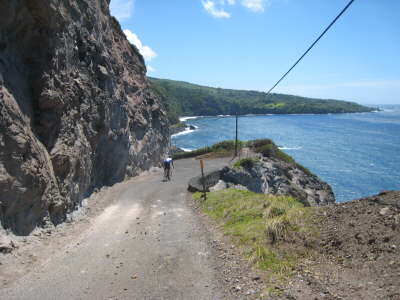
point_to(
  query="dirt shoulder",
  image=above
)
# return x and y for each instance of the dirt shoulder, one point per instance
(241, 279)
(357, 255)
(353, 252)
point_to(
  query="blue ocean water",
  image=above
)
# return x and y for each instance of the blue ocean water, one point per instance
(357, 154)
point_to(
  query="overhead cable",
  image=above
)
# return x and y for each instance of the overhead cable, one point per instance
(313, 44)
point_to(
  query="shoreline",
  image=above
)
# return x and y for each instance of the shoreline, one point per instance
(185, 118)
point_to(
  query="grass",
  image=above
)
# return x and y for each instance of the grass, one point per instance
(246, 163)
(258, 223)
(268, 149)
(193, 153)
(221, 149)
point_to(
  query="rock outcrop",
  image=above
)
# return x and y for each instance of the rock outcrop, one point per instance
(268, 176)
(76, 111)
(277, 177)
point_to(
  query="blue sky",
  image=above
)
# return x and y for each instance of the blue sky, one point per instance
(249, 44)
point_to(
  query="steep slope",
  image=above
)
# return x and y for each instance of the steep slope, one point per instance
(76, 112)
(183, 98)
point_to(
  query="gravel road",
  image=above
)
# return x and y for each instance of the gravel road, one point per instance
(148, 244)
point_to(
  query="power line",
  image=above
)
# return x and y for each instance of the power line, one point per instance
(316, 41)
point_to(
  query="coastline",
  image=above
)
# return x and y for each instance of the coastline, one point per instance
(185, 118)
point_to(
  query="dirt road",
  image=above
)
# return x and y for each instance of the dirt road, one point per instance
(147, 245)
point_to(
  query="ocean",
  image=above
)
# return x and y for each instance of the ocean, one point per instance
(357, 154)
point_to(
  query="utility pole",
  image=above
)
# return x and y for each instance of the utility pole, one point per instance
(236, 136)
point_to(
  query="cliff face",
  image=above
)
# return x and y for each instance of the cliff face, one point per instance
(76, 112)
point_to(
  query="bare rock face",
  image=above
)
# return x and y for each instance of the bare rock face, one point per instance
(277, 177)
(76, 112)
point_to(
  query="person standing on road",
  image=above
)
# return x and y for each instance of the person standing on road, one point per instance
(168, 164)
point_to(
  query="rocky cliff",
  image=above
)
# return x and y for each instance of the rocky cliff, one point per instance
(277, 177)
(268, 176)
(76, 112)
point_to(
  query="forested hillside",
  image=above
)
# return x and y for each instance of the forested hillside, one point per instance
(186, 99)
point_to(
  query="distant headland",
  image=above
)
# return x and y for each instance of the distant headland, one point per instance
(187, 99)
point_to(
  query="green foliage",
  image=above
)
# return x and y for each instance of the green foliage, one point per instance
(227, 145)
(256, 222)
(246, 163)
(178, 125)
(254, 144)
(283, 156)
(193, 153)
(224, 147)
(268, 149)
(304, 169)
(182, 98)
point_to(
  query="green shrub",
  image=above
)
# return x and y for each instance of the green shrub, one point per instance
(193, 153)
(259, 143)
(227, 145)
(246, 163)
(224, 147)
(264, 146)
(268, 149)
(304, 169)
(283, 156)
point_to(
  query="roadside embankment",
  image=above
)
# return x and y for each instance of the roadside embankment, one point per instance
(284, 221)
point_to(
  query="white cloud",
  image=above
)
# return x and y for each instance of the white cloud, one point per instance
(255, 5)
(122, 9)
(212, 9)
(150, 69)
(216, 8)
(146, 51)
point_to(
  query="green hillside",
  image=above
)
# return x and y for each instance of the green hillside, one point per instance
(186, 99)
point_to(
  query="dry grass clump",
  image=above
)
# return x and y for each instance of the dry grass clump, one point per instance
(258, 223)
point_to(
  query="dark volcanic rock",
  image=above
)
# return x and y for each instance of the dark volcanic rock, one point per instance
(273, 176)
(280, 178)
(269, 176)
(76, 111)
(196, 184)
(6, 244)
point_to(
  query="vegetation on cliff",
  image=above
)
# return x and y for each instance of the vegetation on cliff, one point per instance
(220, 149)
(266, 147)
(182, 98)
